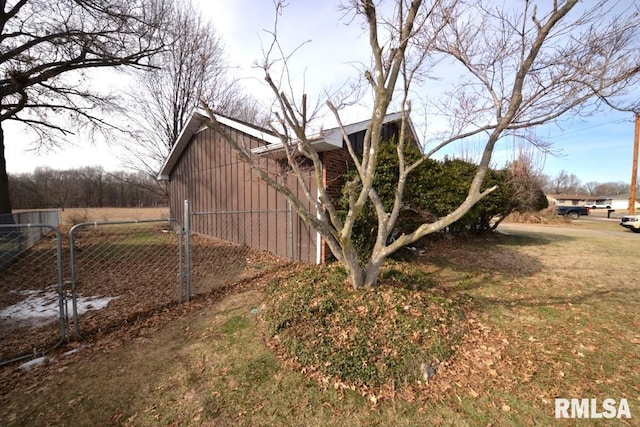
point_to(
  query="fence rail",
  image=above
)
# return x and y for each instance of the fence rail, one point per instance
(267, 230)
(50, 217)
(277, 231)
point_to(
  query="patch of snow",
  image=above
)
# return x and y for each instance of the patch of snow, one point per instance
(40, 308)
(74, 351)
(34, 362)
(43, 360)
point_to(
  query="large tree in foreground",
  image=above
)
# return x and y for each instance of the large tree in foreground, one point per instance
(522, 66)
(46, 50)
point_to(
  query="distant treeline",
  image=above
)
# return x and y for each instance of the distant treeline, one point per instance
(87, 187)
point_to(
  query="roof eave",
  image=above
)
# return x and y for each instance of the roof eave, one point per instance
(192, 127)
(278, 151)
(326, 140)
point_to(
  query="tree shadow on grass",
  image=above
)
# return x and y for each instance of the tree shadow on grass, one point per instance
(513, 277)
(495, 256)
(528, 238)
(599, 296)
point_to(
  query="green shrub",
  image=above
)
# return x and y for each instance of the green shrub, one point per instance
(433, 190)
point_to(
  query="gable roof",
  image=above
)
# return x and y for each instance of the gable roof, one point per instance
(325, 140)
(195, 125)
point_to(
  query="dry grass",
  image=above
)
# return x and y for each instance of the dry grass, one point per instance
(543, 217)
(72, 216)
(556, 315)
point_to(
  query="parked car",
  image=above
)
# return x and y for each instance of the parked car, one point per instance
(598, 205)
(573, 212)
(632, 222)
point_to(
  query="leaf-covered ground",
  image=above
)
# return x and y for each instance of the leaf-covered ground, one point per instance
(133, 267)
(377, 340)
(553, 314)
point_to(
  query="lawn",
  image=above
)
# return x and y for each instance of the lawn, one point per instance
(554, 315)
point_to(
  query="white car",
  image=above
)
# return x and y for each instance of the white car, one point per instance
(632, 222)
(598, 205)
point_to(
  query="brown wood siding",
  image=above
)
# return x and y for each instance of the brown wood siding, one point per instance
(229, 202)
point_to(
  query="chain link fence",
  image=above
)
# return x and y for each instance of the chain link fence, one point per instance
(32, 304)
(217, 265)
(40, 216)
(227, 247)
(101, 276)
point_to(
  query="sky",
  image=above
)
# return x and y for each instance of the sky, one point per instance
(330, 50)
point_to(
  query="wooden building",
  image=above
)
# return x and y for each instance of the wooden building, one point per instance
(228, 201)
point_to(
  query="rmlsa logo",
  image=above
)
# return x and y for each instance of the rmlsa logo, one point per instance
(591, 408)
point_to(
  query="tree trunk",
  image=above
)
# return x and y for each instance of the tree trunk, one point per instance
(359, 277)
(372, 272)
(354, 270)
(5, 202)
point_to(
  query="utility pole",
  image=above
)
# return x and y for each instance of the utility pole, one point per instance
(634, 167)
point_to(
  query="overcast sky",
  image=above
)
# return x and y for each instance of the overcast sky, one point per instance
(597, 148)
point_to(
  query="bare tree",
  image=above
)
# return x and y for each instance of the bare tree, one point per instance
(563, 183)
(523, 69)
(193, 68)
(611, 188)
(591, 188)
(525, 180)
(48, 47)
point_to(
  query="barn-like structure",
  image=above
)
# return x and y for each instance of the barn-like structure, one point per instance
(229, 202)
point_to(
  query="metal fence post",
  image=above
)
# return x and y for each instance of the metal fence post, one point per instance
(187, 250)
(71, 284)
(289, 232)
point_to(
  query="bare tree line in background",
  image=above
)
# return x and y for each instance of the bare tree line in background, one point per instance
(567, 183)
(86, 187)
(94, 187)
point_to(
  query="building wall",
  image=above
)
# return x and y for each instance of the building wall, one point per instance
(622, 204)
(229, 202)
(336, 163)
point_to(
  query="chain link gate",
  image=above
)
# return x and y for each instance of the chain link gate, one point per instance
(133, 266)
(104, 275)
